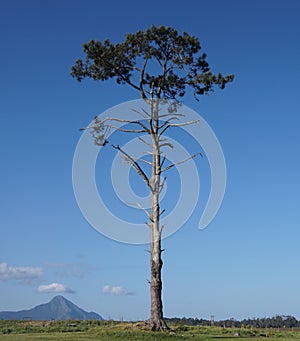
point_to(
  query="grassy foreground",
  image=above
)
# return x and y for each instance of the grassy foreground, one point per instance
(111, 331)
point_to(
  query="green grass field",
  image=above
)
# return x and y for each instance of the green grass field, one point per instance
(111, 331)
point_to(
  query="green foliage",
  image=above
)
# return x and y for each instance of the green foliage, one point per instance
(157, 62)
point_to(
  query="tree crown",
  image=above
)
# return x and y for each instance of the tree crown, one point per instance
(158, 62)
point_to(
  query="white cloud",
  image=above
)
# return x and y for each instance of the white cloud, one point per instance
(116, 290)
(55, 288)
(24, 273)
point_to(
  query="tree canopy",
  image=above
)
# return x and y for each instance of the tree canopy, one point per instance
(157, 62)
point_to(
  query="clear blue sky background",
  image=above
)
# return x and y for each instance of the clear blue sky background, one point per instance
(246, 263)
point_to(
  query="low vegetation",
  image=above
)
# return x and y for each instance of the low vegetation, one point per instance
(111, 330)
(278, 321)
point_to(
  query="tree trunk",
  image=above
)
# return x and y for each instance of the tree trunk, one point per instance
(156, 319)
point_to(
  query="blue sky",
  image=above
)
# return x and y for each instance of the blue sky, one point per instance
(245, 263)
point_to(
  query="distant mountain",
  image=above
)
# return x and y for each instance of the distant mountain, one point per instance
(58, 308)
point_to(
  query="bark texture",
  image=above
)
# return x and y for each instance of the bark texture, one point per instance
(156, 319)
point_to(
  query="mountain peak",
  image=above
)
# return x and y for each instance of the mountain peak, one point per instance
(59, 299)
(59, 308)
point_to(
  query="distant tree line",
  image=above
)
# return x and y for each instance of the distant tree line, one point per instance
(278, 321)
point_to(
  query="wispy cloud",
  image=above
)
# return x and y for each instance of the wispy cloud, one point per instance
(55, 288)
(116, 290)
(23, 273)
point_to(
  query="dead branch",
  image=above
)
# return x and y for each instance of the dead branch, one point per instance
(147, 143)
(162, 212)
(121, 120)
(163, 161)
(146, 116)
(184, 123)
(137, 204)
(128, 130)
(161, 187)
(161, 229)
(177, 125)
(114, 119)
(180, 162)
(166, 144)
(135, 166)
(167, 122)
(171, 114)
(145, 161)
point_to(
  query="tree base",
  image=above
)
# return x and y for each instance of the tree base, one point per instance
(158, 325)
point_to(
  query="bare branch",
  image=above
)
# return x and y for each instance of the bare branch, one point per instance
(128, 130)
(180, 162)
(165, 128)
(135, 166)
(145, 129)
(177, 125)
(145, 112)
(184, 123)
(166, 144)
(163, 161)
(141, 113)
(167, 122)
(141, 160)
(161, 229)
(142, 208)
(121, 120)
(145, 161)
(142, 125)
(171, 114)
(162, 212)
(161, 187)
(147, 143)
